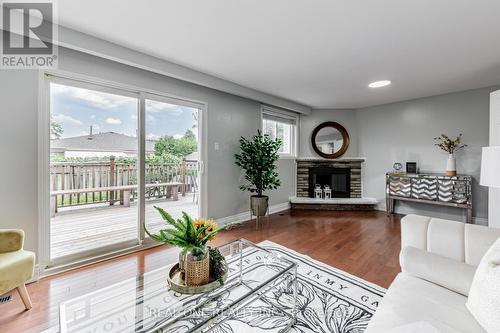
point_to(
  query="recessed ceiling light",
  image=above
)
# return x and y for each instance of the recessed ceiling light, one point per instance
(379, 84)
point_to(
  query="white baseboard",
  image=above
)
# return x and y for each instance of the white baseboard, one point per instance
(245, 216)
(279, 207)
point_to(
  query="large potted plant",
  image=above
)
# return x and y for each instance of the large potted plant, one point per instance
(258, 158)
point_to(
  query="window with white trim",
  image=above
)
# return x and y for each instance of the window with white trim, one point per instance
(283, 125)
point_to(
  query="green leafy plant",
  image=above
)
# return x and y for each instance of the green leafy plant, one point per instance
(191, 236)
(258, 158)
(449, 145)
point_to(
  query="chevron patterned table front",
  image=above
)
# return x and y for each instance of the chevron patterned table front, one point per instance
(430, 188)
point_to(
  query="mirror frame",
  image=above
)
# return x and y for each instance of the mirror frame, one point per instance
(345, 138)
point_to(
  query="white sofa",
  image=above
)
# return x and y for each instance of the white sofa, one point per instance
(438, 260)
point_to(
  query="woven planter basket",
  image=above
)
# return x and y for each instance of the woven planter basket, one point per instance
(196, 272)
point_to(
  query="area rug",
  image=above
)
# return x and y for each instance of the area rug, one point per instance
(328, 299)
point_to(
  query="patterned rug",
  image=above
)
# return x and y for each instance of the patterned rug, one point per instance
(329, 300)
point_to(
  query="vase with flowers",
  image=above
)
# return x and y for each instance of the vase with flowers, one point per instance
(451, 146)
(191, 236)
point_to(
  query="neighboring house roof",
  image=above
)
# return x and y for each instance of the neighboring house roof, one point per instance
(192, 157)
(107, 142)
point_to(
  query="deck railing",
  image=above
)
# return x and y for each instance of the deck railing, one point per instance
(100, 178)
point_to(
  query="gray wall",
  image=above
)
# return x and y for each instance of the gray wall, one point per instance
(346, 118)
(18, 147)
(404, 131)
(229, 117)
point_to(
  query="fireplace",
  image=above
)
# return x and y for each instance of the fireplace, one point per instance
(338, 179)
(343, 175)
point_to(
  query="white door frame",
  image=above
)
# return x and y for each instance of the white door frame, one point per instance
(44, 260)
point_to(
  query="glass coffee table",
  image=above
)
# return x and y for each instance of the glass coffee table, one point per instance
(145, 303)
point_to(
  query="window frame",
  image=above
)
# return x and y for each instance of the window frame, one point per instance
(279, 113)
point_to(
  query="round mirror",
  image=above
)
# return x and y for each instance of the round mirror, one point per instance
(330, 140)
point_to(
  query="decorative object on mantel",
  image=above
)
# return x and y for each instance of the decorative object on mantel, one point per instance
(327, 192)
(450, 146)
(430, 188)
(330, 140)
(411, 167)
(258, 157)
(191, 236)
(318, 192)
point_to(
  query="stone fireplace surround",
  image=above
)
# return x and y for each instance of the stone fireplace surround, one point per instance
(354, 202)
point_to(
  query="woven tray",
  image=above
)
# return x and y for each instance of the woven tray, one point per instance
(176, 282)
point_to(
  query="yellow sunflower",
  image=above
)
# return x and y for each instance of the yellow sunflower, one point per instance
(208, 223)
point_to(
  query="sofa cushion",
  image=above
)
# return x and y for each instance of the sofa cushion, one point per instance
(448, 273)
(446, 238)
(15, 269)
(478, 239)
(412, 300)
(484, 296)
(414, 231)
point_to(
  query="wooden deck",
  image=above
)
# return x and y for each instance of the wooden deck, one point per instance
(79, 230)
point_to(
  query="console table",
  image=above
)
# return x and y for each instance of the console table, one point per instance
(436, 189)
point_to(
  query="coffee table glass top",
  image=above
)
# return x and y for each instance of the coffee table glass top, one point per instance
(145, 303)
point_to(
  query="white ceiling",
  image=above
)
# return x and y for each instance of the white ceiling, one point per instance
(320, 53)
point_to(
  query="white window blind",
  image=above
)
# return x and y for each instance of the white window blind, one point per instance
(283, 125)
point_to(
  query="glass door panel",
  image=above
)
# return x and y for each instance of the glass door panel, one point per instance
(93, 169)
(171, 161)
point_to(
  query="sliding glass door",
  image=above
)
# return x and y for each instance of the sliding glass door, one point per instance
(171, 163)
(115, 154)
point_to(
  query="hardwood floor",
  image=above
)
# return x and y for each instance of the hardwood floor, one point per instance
(365, 244)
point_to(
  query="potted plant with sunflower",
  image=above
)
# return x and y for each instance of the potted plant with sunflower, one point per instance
(191, 236)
